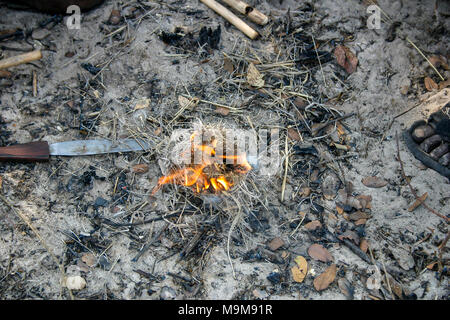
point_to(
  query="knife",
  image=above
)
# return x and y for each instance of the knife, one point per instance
(41, 150)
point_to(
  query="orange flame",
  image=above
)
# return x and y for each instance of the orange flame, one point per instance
(211, 174)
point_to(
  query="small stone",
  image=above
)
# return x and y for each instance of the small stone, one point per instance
(167, 293)
(75, 283)
(275, 243)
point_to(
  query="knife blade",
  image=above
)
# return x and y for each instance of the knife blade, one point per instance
(41, 150)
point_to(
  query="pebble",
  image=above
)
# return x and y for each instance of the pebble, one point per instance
(75, 283)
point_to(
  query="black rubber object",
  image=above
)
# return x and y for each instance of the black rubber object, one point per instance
(419, 154)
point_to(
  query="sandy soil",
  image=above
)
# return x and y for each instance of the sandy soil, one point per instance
(61, 198)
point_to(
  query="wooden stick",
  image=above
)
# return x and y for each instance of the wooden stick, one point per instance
(253, 14)
(20, 59)
(232, 18)
(34, 84)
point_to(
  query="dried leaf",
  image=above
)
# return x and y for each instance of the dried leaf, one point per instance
(300, 103)
(339, 209)
(359, 215)
(318, 252)
(365, 201)
(354, 203)
(438, 61)
(140, 168)
(418, 202)
(360, 222)
(340, 129)
(430, 84)
(305, 192)
(432, 265)
(322, 281)
(223, 111)
(142, 104)
(89, 259)
(1, 182)
(374, 182)
(300, 270)
(352, 235)
(293, 134)
(228, 65)
(275, 244)
(346, 59)
(364, 245)
(184, 102)
(254, 77)
(313, 225)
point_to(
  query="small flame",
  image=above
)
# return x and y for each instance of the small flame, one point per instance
(211, 175)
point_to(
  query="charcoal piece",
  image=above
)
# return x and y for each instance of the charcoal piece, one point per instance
(209, 37)
(91, 68)
(304, 150)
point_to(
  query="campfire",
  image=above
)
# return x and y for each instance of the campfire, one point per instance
(209, 166)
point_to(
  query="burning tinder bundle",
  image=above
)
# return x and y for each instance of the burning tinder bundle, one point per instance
(206, 159)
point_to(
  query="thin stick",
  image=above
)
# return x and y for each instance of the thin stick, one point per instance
(20, 59)
(286, 164)
(421, 53)
(34, 84)
(232, 18)
(253, 14)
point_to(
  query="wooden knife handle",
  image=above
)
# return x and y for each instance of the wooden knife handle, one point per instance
(33, 151)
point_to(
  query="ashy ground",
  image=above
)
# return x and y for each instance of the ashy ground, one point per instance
(116, 79)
